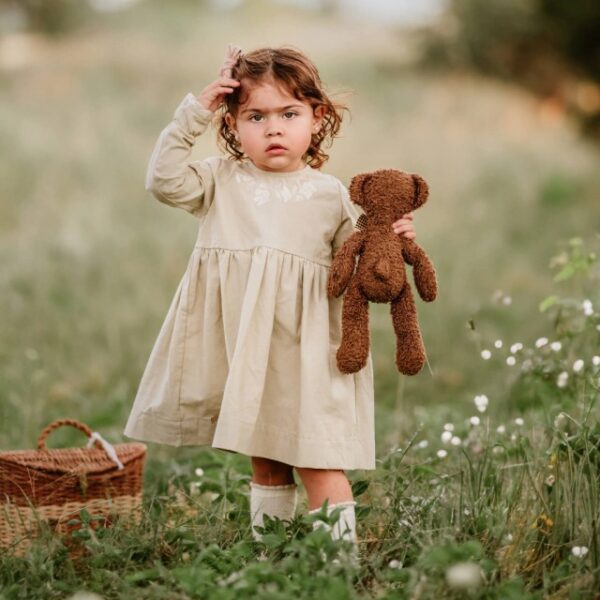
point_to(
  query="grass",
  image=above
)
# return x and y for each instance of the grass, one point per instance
(90, 263)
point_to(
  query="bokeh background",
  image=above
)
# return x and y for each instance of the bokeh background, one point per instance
(496, 104)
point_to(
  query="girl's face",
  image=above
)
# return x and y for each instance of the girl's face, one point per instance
(271, 116)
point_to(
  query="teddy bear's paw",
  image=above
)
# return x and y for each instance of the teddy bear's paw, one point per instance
(350, 363)
(410, 362)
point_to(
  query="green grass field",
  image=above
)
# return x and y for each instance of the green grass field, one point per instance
(90, 262)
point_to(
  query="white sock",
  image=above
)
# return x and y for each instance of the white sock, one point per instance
(346, 525)
(344, 528)
(273, 500)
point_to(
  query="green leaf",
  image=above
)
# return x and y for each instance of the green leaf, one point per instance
(546, 303)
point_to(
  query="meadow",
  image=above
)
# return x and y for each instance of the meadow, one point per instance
(488, 460)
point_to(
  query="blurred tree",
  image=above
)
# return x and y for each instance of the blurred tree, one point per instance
(550, 46)
(52, 17)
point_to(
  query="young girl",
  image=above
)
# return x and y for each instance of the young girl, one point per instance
(245, 360)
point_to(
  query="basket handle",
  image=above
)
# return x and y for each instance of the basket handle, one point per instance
(59, 423)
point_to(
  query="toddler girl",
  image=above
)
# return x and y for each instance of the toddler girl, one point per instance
(245, 360)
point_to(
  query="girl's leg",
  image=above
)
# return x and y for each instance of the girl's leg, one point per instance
(325, 483)
(333, 485)
(273, 491)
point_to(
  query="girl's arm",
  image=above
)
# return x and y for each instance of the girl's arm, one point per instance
(171, 177)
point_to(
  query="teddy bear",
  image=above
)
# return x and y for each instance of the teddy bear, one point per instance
(370, 266)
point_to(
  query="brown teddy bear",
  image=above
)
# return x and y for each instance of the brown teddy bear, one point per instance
(379, 275)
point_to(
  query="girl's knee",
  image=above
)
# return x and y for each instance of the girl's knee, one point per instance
(271, 472)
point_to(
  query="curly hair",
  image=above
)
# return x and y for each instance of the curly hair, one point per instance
(293, 70)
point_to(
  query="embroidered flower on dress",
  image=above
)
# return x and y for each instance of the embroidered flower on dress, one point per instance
(262, 192)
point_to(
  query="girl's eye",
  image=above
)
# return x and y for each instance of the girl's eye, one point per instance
(289, 112)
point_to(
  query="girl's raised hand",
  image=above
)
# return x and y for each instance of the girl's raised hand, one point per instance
(214, 93)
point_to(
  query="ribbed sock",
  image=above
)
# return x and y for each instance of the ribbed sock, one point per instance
(344, 528)
(274, 500)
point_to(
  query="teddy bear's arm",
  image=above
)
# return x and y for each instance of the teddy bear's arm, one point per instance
(343, 263)
(423, 271)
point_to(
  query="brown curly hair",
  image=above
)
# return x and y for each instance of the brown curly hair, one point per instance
(292, 69)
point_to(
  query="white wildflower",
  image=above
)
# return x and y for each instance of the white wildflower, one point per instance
(519, 421)
(561, 421)
(423, 444)
(556, 346)
(481, 402)
(540, 342)
(474, 421)
(507, 300)
(455, 441)
(588, 308)
(464, 576)
(442, 453)
(509, 537)
(596, 360)
(510, 361)
(448, 427)
(561, 380)
(498, 343)
(497, 449)
(486, 354)
(579, 551)
(395, 564)
(513, 437)
(578, 366)
(199, 472)
(501, 429)
(446, 436)
(516, 347)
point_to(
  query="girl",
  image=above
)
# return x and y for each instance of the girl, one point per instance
(245, 359)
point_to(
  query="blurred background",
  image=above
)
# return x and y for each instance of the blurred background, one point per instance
(495, 103)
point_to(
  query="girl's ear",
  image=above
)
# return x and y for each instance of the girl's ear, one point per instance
(319, 114)
(230, 122)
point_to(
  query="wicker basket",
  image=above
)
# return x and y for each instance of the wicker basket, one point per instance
(49, 487)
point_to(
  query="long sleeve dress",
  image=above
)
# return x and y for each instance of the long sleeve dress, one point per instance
(245, 360)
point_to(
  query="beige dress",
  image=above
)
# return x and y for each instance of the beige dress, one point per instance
(245, 358)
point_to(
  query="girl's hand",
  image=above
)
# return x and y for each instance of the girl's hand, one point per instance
(214, 93)
(405, 227)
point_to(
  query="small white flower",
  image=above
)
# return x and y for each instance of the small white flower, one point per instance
(556, 346)
(510, 361)
(498, 343)
(588, 309)
(199, 472)
(464, 576)
(578, 366)
(395, 564)
(497, 449)
(597, 327)
(442, 453)
(561, 380)
(540, 342)
(474, 421)
(481, 402)
(513, 437)
(423, 444)
(579, 551)
(509, 537)
(446, 436)
(455, 441)
(561, 421)
(501, 429)
(486, 354)
(448, 427)
(519, 422)
(596, 360)
(507, 300)
(516, 347)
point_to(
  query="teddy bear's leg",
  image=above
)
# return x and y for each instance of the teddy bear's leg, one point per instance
(410, 351)
(353, 352)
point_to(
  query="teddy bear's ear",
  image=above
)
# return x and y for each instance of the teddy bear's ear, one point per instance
(421, 190)
(357, 187)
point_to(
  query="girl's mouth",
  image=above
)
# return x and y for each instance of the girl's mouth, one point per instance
(276, 150)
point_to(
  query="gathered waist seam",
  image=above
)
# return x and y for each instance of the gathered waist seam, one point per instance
(200, 247)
